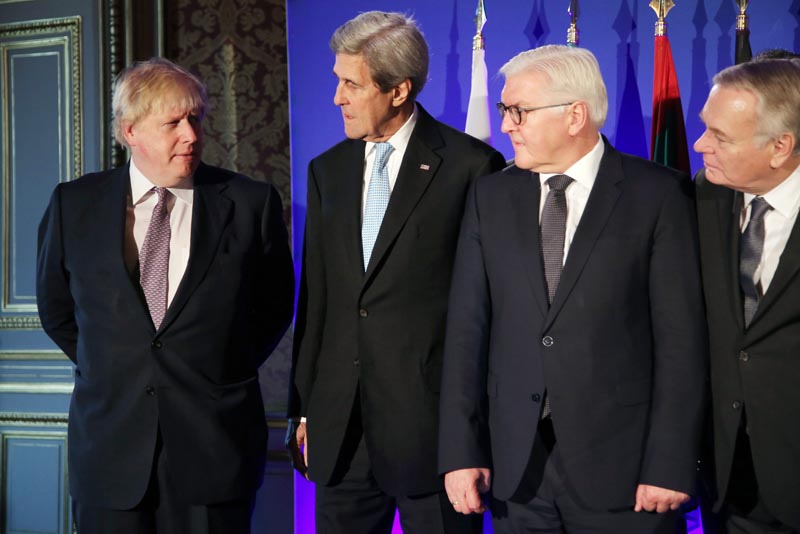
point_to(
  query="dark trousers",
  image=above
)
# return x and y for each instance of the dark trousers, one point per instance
(744, 511)
(354, 503)
(543, 503)
(161, 511)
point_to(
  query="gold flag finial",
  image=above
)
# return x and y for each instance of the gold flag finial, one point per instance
(661, 7)
(573, 35)
(741, 18)
(480, 21)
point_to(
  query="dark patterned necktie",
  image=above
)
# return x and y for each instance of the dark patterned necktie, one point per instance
(553, 230)
(154, 259)
(751, 247)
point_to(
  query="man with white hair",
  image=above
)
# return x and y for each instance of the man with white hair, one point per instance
(574, 354)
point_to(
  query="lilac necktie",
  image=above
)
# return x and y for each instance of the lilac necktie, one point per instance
(154, 259)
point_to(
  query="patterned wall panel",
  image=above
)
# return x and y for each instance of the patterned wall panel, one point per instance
(40, 143)
(238, 47)
(34, 476)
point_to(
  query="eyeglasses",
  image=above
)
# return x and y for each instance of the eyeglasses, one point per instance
(515, 112)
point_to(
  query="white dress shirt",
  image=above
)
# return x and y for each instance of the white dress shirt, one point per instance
(140, 210)
(399, 142)
(778, 224)
(584, 172)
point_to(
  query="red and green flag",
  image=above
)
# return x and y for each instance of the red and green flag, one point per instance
(668, 144)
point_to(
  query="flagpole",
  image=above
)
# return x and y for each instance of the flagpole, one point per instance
(478, 123)
(743, 51)
(573, 34)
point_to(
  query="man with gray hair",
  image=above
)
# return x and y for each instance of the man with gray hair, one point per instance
(748, 196)
(167, 282)
(574, 357)
(384, 208)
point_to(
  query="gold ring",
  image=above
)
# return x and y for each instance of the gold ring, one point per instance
(455, 503)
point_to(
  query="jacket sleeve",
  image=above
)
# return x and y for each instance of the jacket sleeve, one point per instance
(463, 429)
(310, 306)
(53, 296)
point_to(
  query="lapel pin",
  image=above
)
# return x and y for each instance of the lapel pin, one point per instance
(425, 167)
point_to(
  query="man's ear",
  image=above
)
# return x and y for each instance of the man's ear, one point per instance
(577, 117)
(400, 93)
(783, 148)
(127, 133)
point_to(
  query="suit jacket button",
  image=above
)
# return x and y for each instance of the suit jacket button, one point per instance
(547, 341)
(150, 390)
(743, 356)
(736, 405)
(156, 344)
(356, 362)
(362, 312)
(536, 397)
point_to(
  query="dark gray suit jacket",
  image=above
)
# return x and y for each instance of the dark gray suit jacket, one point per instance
(196, 378)
(381, 333)
(621, 350)
(758, 368)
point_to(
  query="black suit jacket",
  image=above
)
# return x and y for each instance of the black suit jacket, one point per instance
(381, 332)
(620, 351)
(196, 378)
(757, 368)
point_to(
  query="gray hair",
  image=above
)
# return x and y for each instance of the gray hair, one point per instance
(572, 72)
(391, 45)
(154, 86)
(775, 83)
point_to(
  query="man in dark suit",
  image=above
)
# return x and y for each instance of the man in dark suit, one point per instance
(370, 325)
(575, 392)
(748, 197)
(168, 282)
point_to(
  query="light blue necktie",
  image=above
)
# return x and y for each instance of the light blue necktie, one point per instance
(377, 200)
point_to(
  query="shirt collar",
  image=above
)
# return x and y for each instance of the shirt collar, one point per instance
(583, 171)
(399, 140)
(784, 198)
(140, 186)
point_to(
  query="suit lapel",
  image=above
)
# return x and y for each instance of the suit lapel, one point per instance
(418, 168)
(210, 214)
(524, 197)
(112, 206)
(352, 185)
(788, 266)
(729, 208)
(599, 207)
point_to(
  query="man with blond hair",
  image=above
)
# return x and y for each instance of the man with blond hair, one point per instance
(574, 357)
(167, 282)
(748, 196)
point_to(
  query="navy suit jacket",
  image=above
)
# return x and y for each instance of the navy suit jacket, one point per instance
(380, 334)
(755, 368)
(196, 378)
(620, 352)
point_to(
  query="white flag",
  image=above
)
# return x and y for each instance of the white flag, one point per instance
(478, 123)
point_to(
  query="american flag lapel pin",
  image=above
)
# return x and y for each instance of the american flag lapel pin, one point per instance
(425, 167)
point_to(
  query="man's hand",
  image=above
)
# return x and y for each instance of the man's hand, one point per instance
(655, 499)
(297, 443)
(464, 488)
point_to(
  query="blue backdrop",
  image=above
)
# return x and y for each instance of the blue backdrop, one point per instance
(618, 32)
